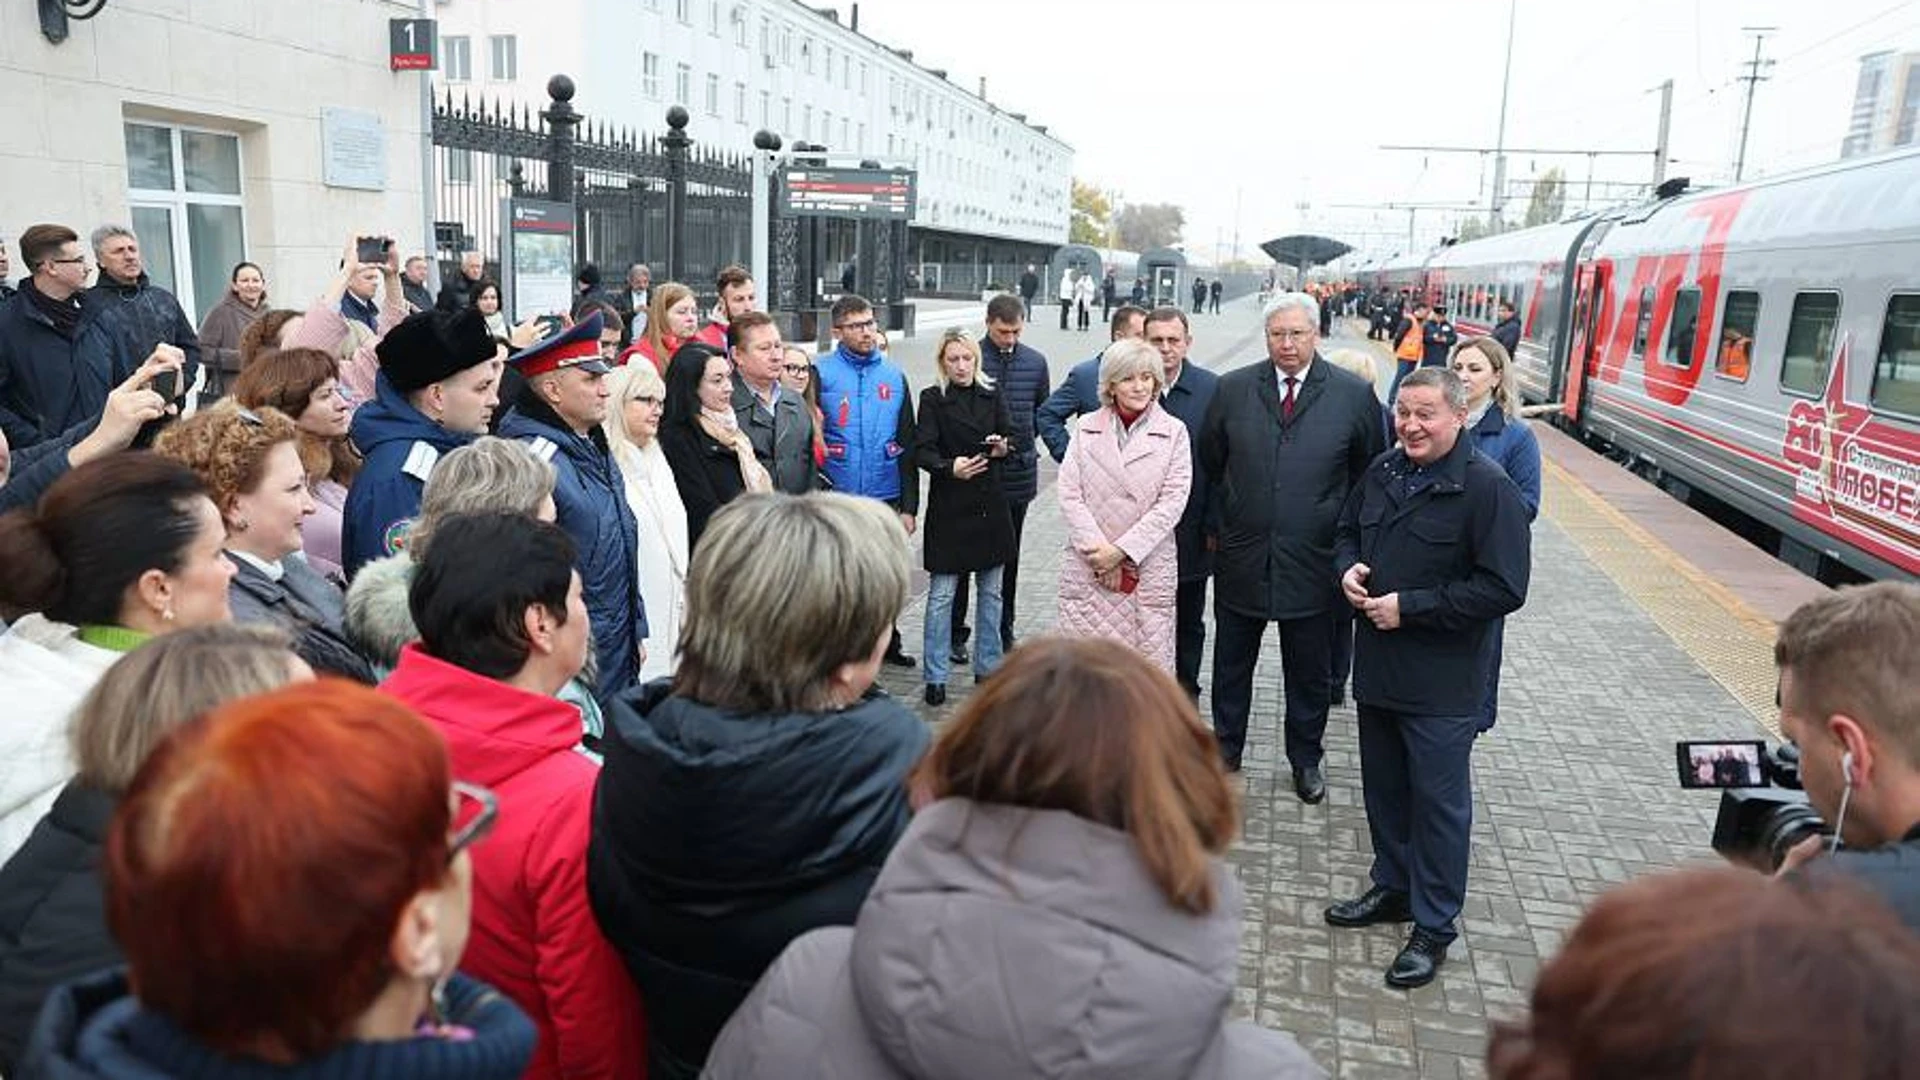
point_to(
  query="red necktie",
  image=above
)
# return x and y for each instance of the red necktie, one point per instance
(1286, 404)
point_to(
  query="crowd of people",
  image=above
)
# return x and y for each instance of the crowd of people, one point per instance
(399, 691)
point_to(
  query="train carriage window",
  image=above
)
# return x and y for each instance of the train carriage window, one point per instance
(1645, 322)
(1809, 352)
(1896, 367)
(1683, 327)
(1736, 334)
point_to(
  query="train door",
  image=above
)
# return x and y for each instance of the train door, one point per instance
(1583, 350)
(1166, 285)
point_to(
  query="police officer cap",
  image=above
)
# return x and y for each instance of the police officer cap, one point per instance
(433, 345)
(578, 346)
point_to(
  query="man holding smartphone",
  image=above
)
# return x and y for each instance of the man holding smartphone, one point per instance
(58, 354)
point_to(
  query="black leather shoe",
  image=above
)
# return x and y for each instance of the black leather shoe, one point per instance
(900, 658)
(1339, 696)
(1419, 960)
(936, 694)
(1309, 784)
(1007, 642)
(961, 635)
(1377, 905)
(957, 655)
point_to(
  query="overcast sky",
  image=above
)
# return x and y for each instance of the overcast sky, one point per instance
(1270, 104)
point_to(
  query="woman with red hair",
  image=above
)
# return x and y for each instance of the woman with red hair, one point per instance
(289, 879)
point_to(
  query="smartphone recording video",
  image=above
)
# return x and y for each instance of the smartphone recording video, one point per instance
(1721, 764)
(373, 249)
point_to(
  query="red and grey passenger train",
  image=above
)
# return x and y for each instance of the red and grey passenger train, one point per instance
(1757, 344)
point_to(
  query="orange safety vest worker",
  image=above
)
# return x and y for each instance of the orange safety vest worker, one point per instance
(1410, 347)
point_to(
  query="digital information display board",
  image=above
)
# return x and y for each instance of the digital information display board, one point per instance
(879, 194)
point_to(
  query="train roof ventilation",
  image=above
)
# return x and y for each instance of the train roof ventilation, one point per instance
(1676, 186)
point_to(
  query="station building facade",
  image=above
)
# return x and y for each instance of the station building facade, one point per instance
(994, 188)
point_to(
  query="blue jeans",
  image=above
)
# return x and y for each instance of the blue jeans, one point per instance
(939, 625)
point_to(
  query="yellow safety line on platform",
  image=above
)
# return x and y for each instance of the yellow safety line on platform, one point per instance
(1723, 634)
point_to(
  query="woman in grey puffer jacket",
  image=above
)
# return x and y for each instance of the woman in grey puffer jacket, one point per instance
(1060, 911)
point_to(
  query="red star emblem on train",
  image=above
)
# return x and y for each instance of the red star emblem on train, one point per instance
(1854, 473)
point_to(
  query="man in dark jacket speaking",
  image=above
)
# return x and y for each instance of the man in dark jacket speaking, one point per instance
(1433, 550)
(1284, 440)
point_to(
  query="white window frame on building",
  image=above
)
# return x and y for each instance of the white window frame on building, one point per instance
(683, 10)
(740, 102)
(739, 26)
(169, 248)
(682, 84)
(766, 108)
(713, 94)
(650, 75)
(503, 47)
(456, 58)
(713, 17)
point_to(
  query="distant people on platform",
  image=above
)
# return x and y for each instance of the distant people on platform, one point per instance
(147, 314)
(486, 298)
(1658, 980)
(963, 434)
(119, 550)
(220, 331)
(559, 415)
(1138, 297)
(1188, 395)
(1284, 440)
(633, 301)
(1029, 286)
(712, 457)
(1493, 418)
(358, 304)
(868, 423)
(1084, 292)
(1199, 294)
(1123, 488)
(1428, 615)
(633, 434)
(25, 475)
(297, 784)
(1409, 345)
(737, 296)
(1075, 809)
(1079, 392)
(324, 326)
(250, 463)
(777, 421)
(53, 923)
(1437, 338)
(413, 283)
(1018, 371)
(1507, 330)
(59, 353)
(1108, 298)
(457, 291)
(672, 318)
(1069, 277)
(1215, 288)
(305, 385)
(437, 389)
(503, 629)
(703, 865)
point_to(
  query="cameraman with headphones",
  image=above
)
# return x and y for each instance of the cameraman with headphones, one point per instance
(1849, 700)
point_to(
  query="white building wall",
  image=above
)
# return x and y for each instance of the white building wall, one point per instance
(981, 170)
(261, 69)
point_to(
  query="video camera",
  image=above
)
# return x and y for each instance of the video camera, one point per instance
(1763, 811)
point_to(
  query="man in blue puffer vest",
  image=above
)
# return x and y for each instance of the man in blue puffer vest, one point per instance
(868, 424)
(558, 415)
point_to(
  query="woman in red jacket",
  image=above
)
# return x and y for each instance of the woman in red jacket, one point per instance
(502, 629)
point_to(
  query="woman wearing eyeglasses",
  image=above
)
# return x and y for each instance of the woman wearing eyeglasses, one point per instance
(289, 879)
(250, 462)
(797, 375)
(633, 432)
(305, 385)
(53, 923)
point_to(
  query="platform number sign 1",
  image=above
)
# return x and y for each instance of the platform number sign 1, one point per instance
(412, 45)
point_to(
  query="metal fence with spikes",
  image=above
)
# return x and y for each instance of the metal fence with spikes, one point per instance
(637, 197)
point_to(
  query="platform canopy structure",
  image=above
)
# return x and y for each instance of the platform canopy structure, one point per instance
(1305, 252)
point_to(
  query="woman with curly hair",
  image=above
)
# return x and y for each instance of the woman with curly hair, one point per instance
(305, 385)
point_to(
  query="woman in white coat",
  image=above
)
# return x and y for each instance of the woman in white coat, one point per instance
(632, 430)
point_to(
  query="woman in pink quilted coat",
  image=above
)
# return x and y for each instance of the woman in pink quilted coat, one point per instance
(1123, 487)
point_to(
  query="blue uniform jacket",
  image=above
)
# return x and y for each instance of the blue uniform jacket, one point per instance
(1459, 554)
(401, 447)
(868, 428)
(1020, 376)
(1511, 444)
(591, 500)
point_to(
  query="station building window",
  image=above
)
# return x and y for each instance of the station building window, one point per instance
(650, 75)
(1809, 351)
(504, 55)
(456, 58)
(184, 198)
(1896, 369)
(1683, 328)
(1735, 354)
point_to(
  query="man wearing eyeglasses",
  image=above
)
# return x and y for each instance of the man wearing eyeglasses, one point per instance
(774, 418)
(868, 424)
(1284, 439)
(58, 357)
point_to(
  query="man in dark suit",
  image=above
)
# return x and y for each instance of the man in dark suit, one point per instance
(1283, 442)
(1189, 393)
(1433, 550)
(1079, 392)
